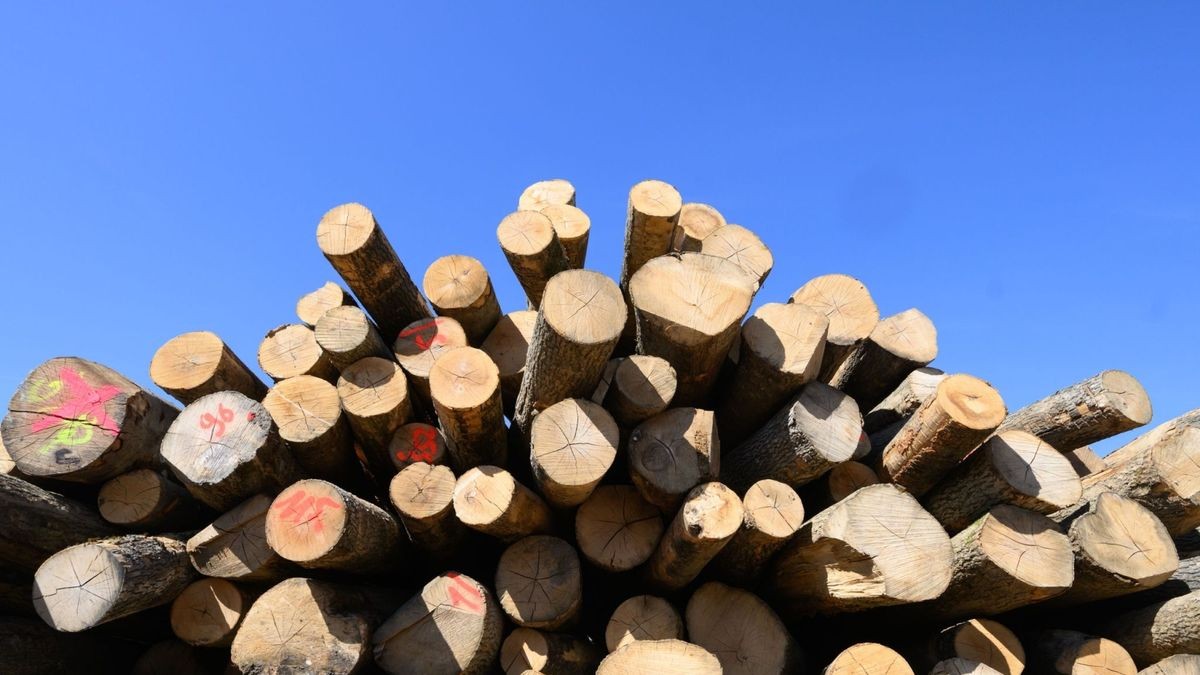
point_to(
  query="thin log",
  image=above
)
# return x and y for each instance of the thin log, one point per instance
(538, 582)
(915, 389)
(508, 345)
(868, 658)
(208, 612)
(347, 335)
(291, 350)
(374, 396)
(235, 546)
(546, 192)
(616, 529)
(36, 523)
(709, 517)
(572, 445)
(671, 453)
(983, 641)
(852, 315)
(318, 525)
(488, 499)
(1085, 460)
(526, 649)
(458, 286)
(640, 388)
(650, 222)
(308, 414)
(423, 496)
(743, 248)
(696, 221)
(572, 227)
(647, 657)
(465, 387)
(533, 251)
(773, 513)
(196, 364)
(898, 345)
(313, 305)
(1070, 652)
(1157, 631)
(642, 617)
(146, 500)
(840, 482)
(418, 442)
(741, 631)
(1097, 408)
(420, 344)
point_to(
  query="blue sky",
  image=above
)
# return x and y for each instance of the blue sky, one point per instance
(1027, 175)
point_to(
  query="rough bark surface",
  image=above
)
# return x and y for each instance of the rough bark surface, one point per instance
(36, 523)
(1101, 406)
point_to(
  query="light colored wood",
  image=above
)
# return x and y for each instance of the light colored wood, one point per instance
(355, 245)
(983, 641)
(225, 448)
(709, 517)
(688, 310)
(538, 582)
(195, 364)
(1011, 467)
(85, 585)
(465, 387)
(572, 445)
(147, 501)
(851, 312)
(961, 666)
(208, 612)
(941, 433)
(696, 221)
(868, 658)
(526, 649)
(36, 523)
(1176, 664)
(313, 305)
(820, 428)
(840, 482)
(1085, 461)
(741, 631)
(876, 547)
(773, 513)
(1097, 408)
(533, 251)
(235, 546)
(318, 525)
(606, 378)
(458, 286)
(374, 396)
(545, 192)
(743, 248)
(347, 335)
(420, 344)
(577, 327)
(8, 466)
(452, 626)
(1157, 631)
(82, 422)
(640, 388)
(508, 345)
(423, 496)
(655, 657)
(616, 529)
(653, 211)
(642, 617)
(898, 345)
(488, 499)
(673, 452)
(915, 389)
(291, 350)
(418, 442)
(1069, 652)
(308, 414)
(572, 226)
(780, 351)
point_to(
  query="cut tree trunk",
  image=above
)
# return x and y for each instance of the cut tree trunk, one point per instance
(1160, 630)
(696, 221)
(420, 344)
(458, 286)
(741, 631)
(920, 385)
(671, 453)
(1176, 664)
(842, 481)
(465, 387)
(208, 612)
(147, 501)
(640, 388)
(488, 499)
(616, 529)
(347, 336)
(773, 513)
(528, 650)
(418, 442)
(572, 445)
(312, 306)
(308, 413)
(196, 364)
(423, 496)
(896, 346)
(508, 345)
(868, 658)
(961, 666)
(1085, 460)
(533, 251)
(651, 657)
(318, 525)
(743, 248)
(538, 583)
(36, 523)
(235, 546)
(983, 641)
(546, 192)
(642, 617)
(572, 226)
(1070, 652)
(374, 396)
(709, 517)
(1101, 406)
(650, 222)
(291, 350)
(852, 315)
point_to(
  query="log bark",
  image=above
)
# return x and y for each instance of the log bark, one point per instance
(225, 448)
(235, 546)
(89, 584)
(529, 650)
(196, 364)
(347, 336)
(452, 626)
(546, 192)
(572, 445)
(79, 421)
(374, 396)
(743, 248)
(820, 428)
(616, 529)
(418, 442)
(1176, 664)
(538, 583)
(741, 630)
(312, 306)
(915, 389)
(147, 501)
(773, 513)
(868, 658)
(780, 351)
(420, 344)
(355, 245)
(576, 330)
(897, 345)
(688, 310)
(696, 221)
(852, 315)
(941, 433)
(983, 641)
(508, 345)
(1073, 653)
(318, 525)
(1012, 467)
(961, 666)
(640, 388)
(488, 499)
(671, 453)
(291, 350)
(208, 612)
(465, 387)
(458, 286)
(1097, 408)
(709, 517)
(532, 249)
(653, 657)
(308, 414)
(875, 548)
(606, 378)
(1085, 461)
(572, 227)
(423, 496)
(653, 211)
(1157, 631)
(36, 523)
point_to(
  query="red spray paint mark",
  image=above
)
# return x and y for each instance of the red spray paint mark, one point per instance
(250, 416)
(208, 421)
(424, 446)
(424, 334)
(79, 414)
(302, 507)
(463, 595)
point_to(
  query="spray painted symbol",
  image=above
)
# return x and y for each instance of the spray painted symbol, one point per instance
(462, 595)
(301, 508)
(224, 415)
(424, 334)
(80, 413)
(424, 446)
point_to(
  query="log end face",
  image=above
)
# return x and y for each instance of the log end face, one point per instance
(585, 307)
(788, 337)
(845, 302)
(372, 386)
(306, 520)
(700, 295)
(452, 625)
(456, 282)
(74, 589)
(711, 512)
(303, 407)
(656, 199)
(1126, 539)
(546, 192)
(696, 221)
(483, 494)
(743, 248)
(616, 529)
(345, 229)
(525, 233)
(1178, 462)
(822, 412)
(868, 658)
(508, 343)
(342, 329)
(773, 508)
(646, 382)
(1033, 468)
(131, 497)
(642, 617)
(463, 378)
(909, 335)
(289, 351)
(311, 306)
(646, 657)
(207, 612)
(538, 582)
(989, 642)
(1127, 396)
(1030, 548)
(422, 490)
(186, 361)
(422, 342)
(417, 442)
(971, 402)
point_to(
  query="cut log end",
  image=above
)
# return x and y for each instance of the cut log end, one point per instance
(868, 658)
(208, 612)
(743, 248)
(710, 516)
(417, 442)
(538, 582)
(572, 227)
(847, 304)
(1028, 547)
(790, 338)
(703, 293)
(421, 490)
(572, 445)
(971, 402)
(773, 509)
(672, 452)
(291, 350)
(616, 529)
(1123, 538)
(488, 499)
(193, 364)
(531, 246)
(546, 192)
(585, 307)
(526, 650)
(422, 342)
(741, 631)
(696, 221)
(909, 335)
(642, 617)
(312, 306)
(305, 408)
(463, 378)
(306, 520)
(651, 657)
(374, 396)
(847, 478)
(235, 546)
(458, 286)
(345, 229)
(983, 641)
(640, 387)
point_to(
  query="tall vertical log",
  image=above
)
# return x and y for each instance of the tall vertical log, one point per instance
(465, 387)
(291, 350)
(538, 582)
(313, 305)
(488, 499)
(235, 546)
(642, 617)
(208, 612)
(147, 501)
(533, 251)
(195, 364)
(347, 335)
(743, 248)
(673, 452)
(420, 344)
(546, 192)
(709, 517)
(508, 345)
(616, 529)
(572, 445)
(1069, 652)
(868, 658)
(852, 315)
(983, 641)
(772, 513)
(640, 388)
(696, 221)
(423, 496)
(458, 286)
(374, 396)
(572, 227)
(1101, 406)
(318, 525)
(899, 405)
(35, 524)
(529, 650)
(741, 631)
(649, 224)
(308, 413)
(897, 346)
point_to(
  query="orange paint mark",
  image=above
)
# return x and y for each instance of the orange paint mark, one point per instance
(424, 334)
(463, 595)
(208, 421)
(301, 507)
(424, 446)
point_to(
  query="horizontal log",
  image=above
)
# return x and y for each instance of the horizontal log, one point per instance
(420, 344)
(36, 523)
(235, 546)
(573, 443)
(642, 617)
(772, 513)
(1085, 461)
(868, 658)
(196, 364)
(897, 345)
(1155, 632)
(208, 612)
(899, 405)
(465, 387)
(308, 414)
(318, 525)
(347, 335)
(148, 501)
(1087, 412)
(1176, 664)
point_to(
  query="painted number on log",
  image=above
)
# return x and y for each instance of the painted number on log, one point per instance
(424, 334)
(301, 507)
(424, 446)
(79, 414)
(463, 595)
(217, 422)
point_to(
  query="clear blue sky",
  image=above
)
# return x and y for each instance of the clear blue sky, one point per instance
(1026, 174)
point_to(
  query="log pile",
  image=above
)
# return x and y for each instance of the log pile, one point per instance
(635, 473)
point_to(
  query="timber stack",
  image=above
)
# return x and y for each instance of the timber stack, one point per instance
(663, 469)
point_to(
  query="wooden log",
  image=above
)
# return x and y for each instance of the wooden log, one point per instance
(820, 428)
(423, 496)
(36, 523)
(175, 657)
(1012, 467)
(688, 309)
(897, 345)
(146, 500)
(196, 364)
(30, 647)
(306, 626)
(79, 421)
(961, 666)
(1085, 461)
(208, 612)
(235, 546)
(671, 453)
(875, 548)
(653, 211)
(508, 345)
(572, 445)
(696, 221)
(420, 344)
(533, 251)
(640, 388)
(840, 482)
(354, 244)
(780, 351)
(1157, 631)
(308, 414)
(225, 447)
(654, 657)
(1073, 653)
(291, 350)
(741, 630)
(374, 396)
(941, 433)
(347, 336)
(8, 466)
(488, 499)
(606, 378)
(538, 582)
(851, 312)
(743, 248)
(1159, 471)
(465, 387)
(458, 286)
(418, 442)
(452, 626)
(1176, 664)
(576, 330)
(1097, 408)
(983, 641)
(868, 658)
(572, 227)
(920, 385)
(772, 513)
(642, 617)
(616, 529)
(312, 306)
(709, 517)
(528, 650)
(546, 192)
(89, 584)
(318, 525)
